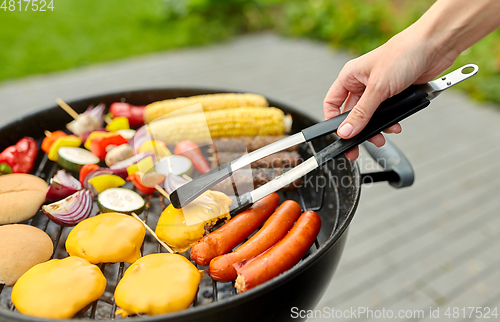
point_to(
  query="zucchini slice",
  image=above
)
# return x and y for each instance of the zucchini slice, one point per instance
(120, 200)
(73, 159)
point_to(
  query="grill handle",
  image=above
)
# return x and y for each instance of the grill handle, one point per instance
(397, 169)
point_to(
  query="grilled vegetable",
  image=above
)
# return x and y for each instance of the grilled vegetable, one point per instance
(117, 124)
(157, 284)
(62, 185)
(276, 160)
(220, 123)
(107, 238)
(119, 153)
(90, 120)
(71, 210)
(62, 141)
(50, 139)
(20, 157)
(248, 143)
(73, 159)
(174, 164)
(106, 181)
(282, 256)
(73, 282)
(210, 102)
(100, 146)
(120, 200)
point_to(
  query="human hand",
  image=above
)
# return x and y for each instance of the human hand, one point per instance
(365, 82)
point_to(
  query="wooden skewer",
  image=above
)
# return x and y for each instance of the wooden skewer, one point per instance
(73, 113)
(162, 191)
(67, 108)
(107, 119)
(188, 178)
(47, 133)
(153, 233)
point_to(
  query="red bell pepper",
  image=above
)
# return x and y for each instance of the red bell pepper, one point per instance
(190, 150)
(136, 180)
(98, 146)
(50, 139)
(21, 156)
(135, 114)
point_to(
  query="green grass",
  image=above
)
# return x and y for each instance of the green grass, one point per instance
(79, 33)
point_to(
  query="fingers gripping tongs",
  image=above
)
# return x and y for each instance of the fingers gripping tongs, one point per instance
(391, 111)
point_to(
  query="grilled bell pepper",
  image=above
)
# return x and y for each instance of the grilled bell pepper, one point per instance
(106, 181)
(142, 166)
(68, 140)
(118, 123)
(135, 114)
(50, 139)
(98, 146)
(21, 156)
(94, 135)
(137, 181)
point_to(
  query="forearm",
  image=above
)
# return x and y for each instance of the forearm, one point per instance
(451, 26)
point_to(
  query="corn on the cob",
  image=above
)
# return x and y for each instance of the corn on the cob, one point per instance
(203, 127)
(209, 102)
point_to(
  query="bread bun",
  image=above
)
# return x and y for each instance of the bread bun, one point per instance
(21, 195)
(21, 248)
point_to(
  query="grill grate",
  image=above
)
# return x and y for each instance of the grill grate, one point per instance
(209, 290)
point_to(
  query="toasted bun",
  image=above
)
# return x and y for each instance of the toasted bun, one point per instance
(21, 195)
(21, 248)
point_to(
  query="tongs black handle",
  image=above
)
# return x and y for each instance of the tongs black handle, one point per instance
(379, 122)
(410, 96)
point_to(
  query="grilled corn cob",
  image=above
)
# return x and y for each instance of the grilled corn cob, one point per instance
(202, 127)
(209, 102)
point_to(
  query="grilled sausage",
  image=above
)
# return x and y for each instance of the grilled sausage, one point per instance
(282, 256)
(222, 240)
(275, 160)
(221, 268)
(247, 143)
(253, 178)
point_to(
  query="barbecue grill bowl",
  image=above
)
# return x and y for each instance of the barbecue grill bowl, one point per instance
(300, 287)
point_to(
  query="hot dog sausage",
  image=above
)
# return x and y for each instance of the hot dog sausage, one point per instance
(282, 256)
(221, 268)
(234, 232)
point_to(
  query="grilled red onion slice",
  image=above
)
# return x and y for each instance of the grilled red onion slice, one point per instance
(71, 210)
(172, 182)
(141, 135)
(62, 185)
(120, 168)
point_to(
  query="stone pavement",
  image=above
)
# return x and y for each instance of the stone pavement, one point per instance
(434, 244)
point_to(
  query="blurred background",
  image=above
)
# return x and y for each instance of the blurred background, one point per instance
(76, 33)
(435, 244)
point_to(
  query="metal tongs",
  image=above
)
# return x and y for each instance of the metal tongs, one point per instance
(391, 111)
